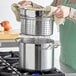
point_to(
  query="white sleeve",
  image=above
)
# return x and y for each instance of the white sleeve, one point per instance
(72, 14)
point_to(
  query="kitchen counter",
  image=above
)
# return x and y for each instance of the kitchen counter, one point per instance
(7, 39)
(8, 35)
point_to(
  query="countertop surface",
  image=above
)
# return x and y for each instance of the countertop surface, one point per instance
(8, 35)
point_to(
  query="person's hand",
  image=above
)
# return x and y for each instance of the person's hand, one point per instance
(24, 3)
(62, 12)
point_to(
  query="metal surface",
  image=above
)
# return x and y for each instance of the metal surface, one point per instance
(22, 54)
(8, 43)
(34, 40)
(36, 55)
(36, 24)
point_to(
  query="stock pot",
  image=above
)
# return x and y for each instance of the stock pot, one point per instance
(36, 53)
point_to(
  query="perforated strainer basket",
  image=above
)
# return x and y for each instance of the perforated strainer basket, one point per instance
(36, 22)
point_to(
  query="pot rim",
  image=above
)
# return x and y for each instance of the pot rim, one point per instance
(34, 40)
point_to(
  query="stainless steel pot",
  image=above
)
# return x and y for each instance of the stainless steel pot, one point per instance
(35, 22)
(36, 54)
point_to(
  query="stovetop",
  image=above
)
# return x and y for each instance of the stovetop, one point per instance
(9, 62)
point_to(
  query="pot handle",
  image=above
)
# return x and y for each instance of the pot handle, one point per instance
(56, 44)
(18, 39)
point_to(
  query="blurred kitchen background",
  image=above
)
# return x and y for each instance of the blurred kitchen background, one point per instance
(7, 14)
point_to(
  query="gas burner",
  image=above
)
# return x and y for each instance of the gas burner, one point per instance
(9, 62)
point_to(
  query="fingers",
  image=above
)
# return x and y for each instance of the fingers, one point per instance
(23, 3)
(62, 12)
(58, 13)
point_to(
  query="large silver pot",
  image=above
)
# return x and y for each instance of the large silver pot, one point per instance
(35, 22)
(36, 54)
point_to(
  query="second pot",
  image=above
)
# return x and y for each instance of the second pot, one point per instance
(36, 54)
